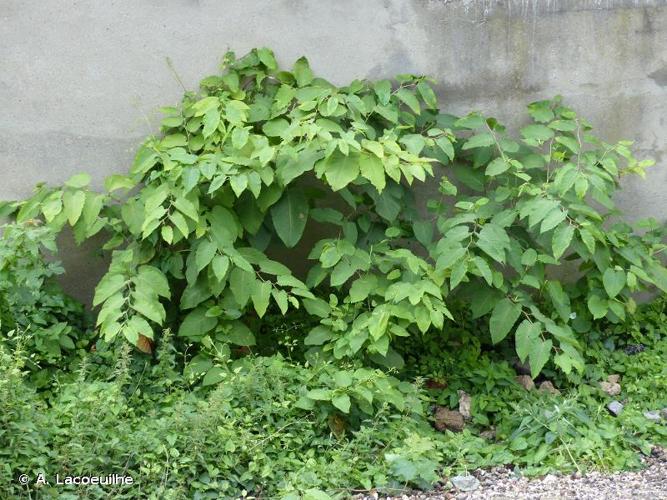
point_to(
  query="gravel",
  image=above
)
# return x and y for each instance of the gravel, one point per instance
(502, 483)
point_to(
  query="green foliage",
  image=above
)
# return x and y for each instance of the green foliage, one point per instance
(520, 255)
(31, 301)
(258, 153)
(249, 434)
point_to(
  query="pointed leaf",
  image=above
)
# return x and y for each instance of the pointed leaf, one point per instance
(503, 317)
(289, 216)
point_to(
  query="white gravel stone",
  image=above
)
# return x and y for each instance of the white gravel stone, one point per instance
(502, 483)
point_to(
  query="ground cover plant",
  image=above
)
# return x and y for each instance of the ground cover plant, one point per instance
(285, 296)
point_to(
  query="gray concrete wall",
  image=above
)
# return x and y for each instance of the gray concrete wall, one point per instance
(81, 80)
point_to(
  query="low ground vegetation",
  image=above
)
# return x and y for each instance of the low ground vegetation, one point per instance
(490, 324)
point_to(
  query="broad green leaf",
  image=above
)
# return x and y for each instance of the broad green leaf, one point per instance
(343, 378)
(526, 336)
(267, 58)
(427, 94)
(240, 334)
(382, 89)
(371, 168)
(581, 186)
(52, 206)
(479, 141)
(423, 230)
(225, 227)
(537, 132)
(241, 283)
(220, 265)
(613, 281)
(561, 240)
(342, 402)
(316, 307)
(503, 317)
(374, 147)
(214, 376)
(319, 394)
(407, 97)
(450, 257)
(179, 222)
(553, 218)
(493, 240)
(167, 233)
(588, 239)
(539, 355)
(597, 306)
(446, 146)
(560, 299)
(484, 269)
(78, 181)
(196, 324)
(540, 111)
(362, 287)
(658, 273)
(260, 297)
(137, 326)
(340, 170)
(276, 127)
(318, 336)
(569, 143)
(529, 257)
(497, 167)
(240, 137)
(205, 253)
(236, 112)
(202, 106)
(289, 216)
(152, 278)
(187, 208)
(211, 121)
(458, 272)
(239, 183)
(564, 125)
(280, 296)
(302, 72)
(108, 285)
(342, 272)
(290, 168)
(149, 307)
(315, 494)
(73, 202)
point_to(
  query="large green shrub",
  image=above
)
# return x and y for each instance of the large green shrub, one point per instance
(243, 166)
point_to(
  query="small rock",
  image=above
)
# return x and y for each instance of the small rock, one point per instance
(547, 386)
(465, 483)
(446, 419)
(613, 379)
(464, 404)
(488, 433)
(653, 416)
(611, 388)
(615, 408)
(663, 413)
(526, 382)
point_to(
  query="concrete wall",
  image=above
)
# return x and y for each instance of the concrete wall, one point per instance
(80, 80)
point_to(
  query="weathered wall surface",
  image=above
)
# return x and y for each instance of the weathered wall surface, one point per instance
(81, 80)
